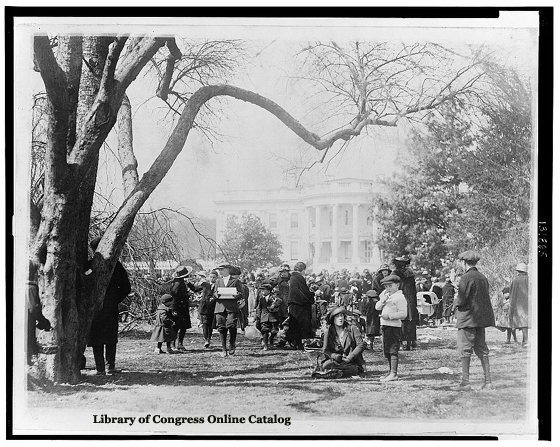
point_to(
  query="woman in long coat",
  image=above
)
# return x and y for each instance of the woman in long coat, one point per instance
(180, 305)
(408, 287)
(519, 301)
(502, 315)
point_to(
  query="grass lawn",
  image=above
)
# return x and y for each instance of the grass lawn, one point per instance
(267, 382)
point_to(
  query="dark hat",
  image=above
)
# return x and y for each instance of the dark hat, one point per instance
(286, 265)
(234, 270)
(166, 299)
(182, 271)
(266, 286)
(390, 278)
(470, 256)
(372, 293)
(401, 260)
(334, 312)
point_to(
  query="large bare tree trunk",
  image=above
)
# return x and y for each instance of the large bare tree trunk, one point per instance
(80, 116)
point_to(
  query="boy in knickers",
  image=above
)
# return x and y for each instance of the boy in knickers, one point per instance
(267, 318)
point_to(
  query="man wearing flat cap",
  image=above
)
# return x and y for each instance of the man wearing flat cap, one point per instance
(474, 314)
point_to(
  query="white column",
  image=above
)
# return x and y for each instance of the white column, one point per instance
(306, 222)
(375, 254)
(355, 234)
(334, 237)
(317, 237)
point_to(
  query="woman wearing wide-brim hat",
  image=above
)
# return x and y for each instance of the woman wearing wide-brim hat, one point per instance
(180, 304)
(519, 301)
(342, 348)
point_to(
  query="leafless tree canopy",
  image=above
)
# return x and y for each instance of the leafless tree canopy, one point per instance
(378, 83)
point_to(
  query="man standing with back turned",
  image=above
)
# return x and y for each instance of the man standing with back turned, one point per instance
(474, 314)
(300, 299)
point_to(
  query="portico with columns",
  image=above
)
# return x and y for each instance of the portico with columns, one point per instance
(327, 225)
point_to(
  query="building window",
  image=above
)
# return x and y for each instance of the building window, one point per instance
(346, 217)
(294, 220)
(294, 249)
(330, 217)
(345, 251)
(272, 220)
(368, 251)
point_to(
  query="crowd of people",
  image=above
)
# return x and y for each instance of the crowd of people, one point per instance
(338, 314)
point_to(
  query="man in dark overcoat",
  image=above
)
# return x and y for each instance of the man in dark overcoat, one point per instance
(226, 311)
(474, 314)
(300, 300)
(408, 287)
(105, 326)
(519, 301)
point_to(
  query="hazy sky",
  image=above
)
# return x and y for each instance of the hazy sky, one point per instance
(256, 148)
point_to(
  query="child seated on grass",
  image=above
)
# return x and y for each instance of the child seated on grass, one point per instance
(163, 329)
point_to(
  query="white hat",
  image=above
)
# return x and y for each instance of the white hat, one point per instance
(521, 267)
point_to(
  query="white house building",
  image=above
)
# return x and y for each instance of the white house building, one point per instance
(326, 225)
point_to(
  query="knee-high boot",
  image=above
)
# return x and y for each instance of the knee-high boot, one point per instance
(223, 339)
(465, 380)
(486, 369)
(232, 338)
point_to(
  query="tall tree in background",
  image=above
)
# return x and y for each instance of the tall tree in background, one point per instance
(249, 244)
(85, 79)
(466, 180)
